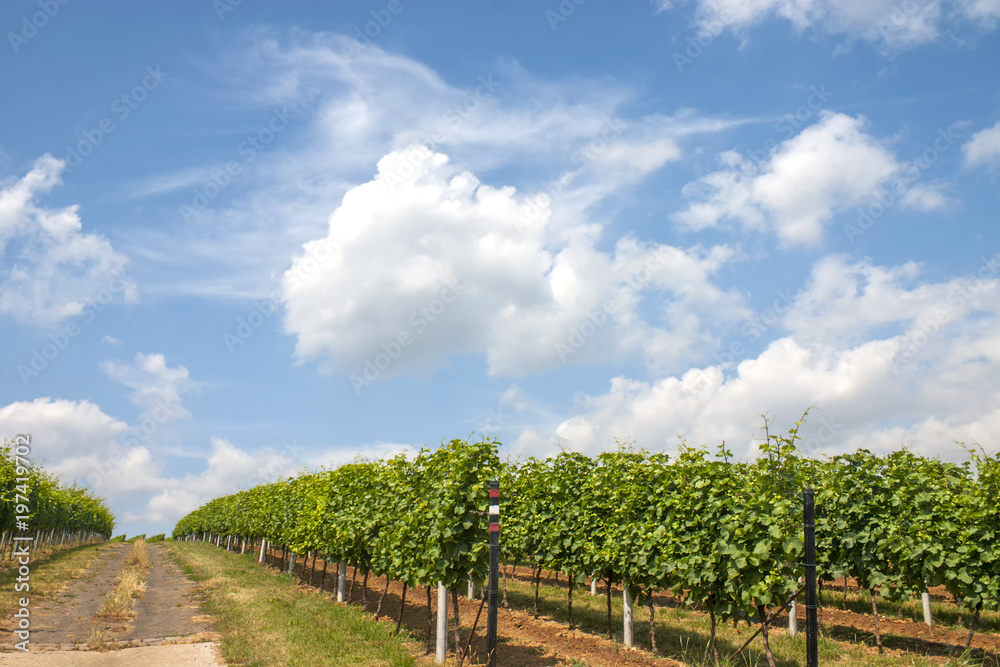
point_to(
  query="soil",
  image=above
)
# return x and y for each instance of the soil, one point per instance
(529, 642)
(65, 627)
(524, 641)
(906, 635)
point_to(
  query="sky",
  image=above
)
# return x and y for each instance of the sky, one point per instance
(241, 240)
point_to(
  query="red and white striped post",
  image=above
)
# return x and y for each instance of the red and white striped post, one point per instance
(494, 583)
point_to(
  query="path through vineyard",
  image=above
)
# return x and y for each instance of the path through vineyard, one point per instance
(167, 628)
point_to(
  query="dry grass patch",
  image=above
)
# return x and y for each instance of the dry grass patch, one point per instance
(131, 583)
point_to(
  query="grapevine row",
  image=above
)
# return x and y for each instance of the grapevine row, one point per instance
(52, 509)
(726, 535)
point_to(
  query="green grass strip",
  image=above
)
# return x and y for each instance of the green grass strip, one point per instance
(264, 619)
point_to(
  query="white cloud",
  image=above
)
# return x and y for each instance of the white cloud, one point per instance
(983, 148)
(49, 268)
(425, 261)
(847, 302)
(924, 198)
(892, 24)
(228, 469)
(59, 426)
(828, 167)
(887, 361)
(111, 340)
(352, 108)
(157, 387)
(79, 442)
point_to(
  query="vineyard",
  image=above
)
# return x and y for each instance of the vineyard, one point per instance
(725, 536)
(36, 506)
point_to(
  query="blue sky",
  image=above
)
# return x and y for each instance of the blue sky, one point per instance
(241, 240)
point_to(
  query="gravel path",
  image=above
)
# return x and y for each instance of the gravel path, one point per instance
(166, 629)
(69, 618)
(168, 609)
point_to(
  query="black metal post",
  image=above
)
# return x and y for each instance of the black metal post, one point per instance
(812, 610)
(494, 582)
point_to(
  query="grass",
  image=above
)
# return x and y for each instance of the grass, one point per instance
(48, 576)
(683, 634)
(265, 619)
(131, 583)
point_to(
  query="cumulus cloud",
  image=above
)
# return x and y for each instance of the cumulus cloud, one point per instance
(157, 387)
(851, 301)
(425, 261)
(796, 191)
(77, 440)
(80, 443)
(230, 468)
(924, 198)
(49, 268)
(892, 24)
(887, 360)
(352, 107)
(983, 148)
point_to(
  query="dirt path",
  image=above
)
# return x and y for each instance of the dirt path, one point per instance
(168, 609)
(166, 628)
(69, 618)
